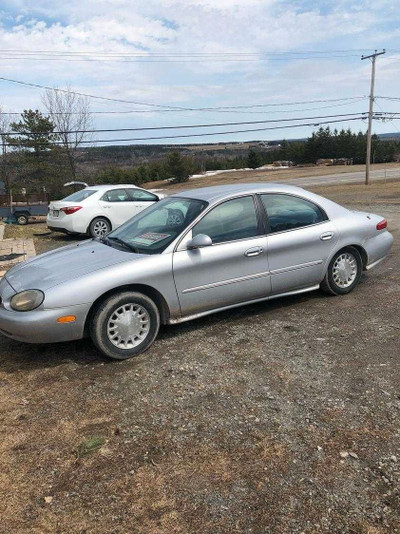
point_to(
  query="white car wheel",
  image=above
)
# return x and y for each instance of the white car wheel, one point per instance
(99, 227)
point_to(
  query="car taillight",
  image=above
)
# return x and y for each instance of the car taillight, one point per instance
(71, 209)
(381, 225)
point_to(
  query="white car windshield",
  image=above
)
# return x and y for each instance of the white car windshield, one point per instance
(155, 228)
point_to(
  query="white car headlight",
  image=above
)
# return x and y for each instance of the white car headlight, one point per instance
(27, 300)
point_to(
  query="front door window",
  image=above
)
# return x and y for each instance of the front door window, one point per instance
(230, 221)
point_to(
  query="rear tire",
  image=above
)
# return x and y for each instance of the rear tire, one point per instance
(125, 325)
(22, 219)
(343, 273)
(99, 227)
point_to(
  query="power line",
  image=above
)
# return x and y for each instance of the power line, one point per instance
(388, 97)
(36, 85)
(132, 111)
(180, 108)
(179, 54)
(204, 134)
(274, 104)
(193, 57)
(149, 57)
(378, 113)
(185, 126)
(207, 60)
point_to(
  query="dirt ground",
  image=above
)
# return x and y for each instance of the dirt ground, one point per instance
(276, 418)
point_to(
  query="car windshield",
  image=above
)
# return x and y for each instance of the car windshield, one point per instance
(78, 196)
(151, 231)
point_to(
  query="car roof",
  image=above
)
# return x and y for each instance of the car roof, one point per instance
(110, 186)
(219, 192)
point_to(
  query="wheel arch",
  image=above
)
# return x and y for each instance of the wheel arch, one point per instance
(99, 217)
(363, 253)
(22, 212)
(149, 291)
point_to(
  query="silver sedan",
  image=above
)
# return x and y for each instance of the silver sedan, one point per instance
(189, 255)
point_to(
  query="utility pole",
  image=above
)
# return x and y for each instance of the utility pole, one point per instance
(371, 111)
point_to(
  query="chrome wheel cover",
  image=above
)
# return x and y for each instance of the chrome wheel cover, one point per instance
(344, 270)
(174, 220)
(100, 228)
(128, 326)
(175, 217)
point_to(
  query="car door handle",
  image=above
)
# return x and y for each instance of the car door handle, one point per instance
(255, 251)
(326, 236)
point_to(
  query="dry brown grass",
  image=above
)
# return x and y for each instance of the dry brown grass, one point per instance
(264, 176)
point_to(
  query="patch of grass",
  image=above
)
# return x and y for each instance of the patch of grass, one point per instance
(89, 446)
(25, 232)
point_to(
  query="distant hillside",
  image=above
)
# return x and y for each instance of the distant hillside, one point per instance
(387, 136)
(136, 154)
(92, 158)
(207, 156)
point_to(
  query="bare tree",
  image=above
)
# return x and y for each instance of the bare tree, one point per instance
(72, 117)
(4, 170)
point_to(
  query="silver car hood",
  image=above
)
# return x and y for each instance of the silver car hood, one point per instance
(66, 263)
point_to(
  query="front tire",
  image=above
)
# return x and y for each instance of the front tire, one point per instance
(344, 272)
(99, 227)
(125, 325)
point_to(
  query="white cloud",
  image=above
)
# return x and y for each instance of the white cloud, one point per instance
(195, 26)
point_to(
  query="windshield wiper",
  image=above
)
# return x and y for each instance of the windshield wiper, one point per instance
(123, 243)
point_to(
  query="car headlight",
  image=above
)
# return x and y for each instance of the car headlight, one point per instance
(27, 300)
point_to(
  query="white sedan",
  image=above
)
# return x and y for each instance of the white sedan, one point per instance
(96, 210)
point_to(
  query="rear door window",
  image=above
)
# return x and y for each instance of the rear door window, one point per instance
(116, 195)
(287, 212)
(139, 195)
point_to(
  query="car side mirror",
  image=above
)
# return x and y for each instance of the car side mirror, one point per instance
(199, 241)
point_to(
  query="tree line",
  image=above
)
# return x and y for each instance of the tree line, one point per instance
(46, 150)
(43, 150)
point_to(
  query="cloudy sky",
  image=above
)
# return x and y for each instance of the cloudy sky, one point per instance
(203, 53)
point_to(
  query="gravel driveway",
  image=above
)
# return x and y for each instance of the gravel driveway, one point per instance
(276, 418)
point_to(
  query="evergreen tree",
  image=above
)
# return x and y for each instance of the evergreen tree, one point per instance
(253, 159)
(35, 132)
(38, 163)
(178, 166)
(285, 147)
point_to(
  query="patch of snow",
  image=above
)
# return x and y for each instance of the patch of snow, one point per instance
(245, 169)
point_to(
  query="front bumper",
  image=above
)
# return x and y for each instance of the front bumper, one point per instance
(41, 326)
